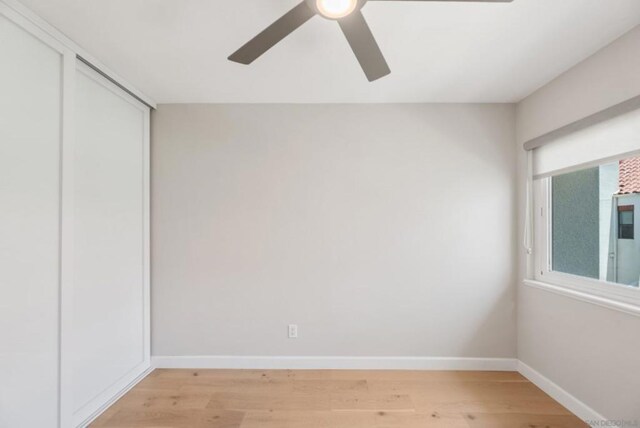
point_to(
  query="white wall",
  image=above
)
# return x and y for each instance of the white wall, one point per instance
(382, 230)
(590, 351)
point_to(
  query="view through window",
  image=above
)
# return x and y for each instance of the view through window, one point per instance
(592, 222)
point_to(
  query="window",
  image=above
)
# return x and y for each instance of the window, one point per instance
(586, 224)
(580, 230)
(625, 222)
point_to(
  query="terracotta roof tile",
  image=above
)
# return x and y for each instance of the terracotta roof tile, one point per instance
(629, 179)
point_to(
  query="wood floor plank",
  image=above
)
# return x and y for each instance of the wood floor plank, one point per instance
(420, 420)
(266, 401)
(187, 418)
(427, 376)
(351, 419)
(324, 386)
(487, 397)
(366, 401)
(309, 419)
(518, 420)
(187, 374)
(335, 399)
(265, 386)
(163, 399)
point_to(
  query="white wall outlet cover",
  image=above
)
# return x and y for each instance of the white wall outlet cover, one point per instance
(293, 331)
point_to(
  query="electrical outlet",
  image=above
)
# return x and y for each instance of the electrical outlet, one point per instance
(293, 331)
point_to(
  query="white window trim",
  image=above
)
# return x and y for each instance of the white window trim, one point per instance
(602, 293)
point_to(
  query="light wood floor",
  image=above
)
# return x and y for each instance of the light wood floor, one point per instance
(335, 399)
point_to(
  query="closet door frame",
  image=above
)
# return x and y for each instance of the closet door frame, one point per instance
(70, 52)
(27, 16)
(101, 402)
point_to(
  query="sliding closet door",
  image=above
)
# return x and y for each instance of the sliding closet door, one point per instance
(111, 281)
(30, 154)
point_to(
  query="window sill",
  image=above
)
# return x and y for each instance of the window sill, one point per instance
(582, 296)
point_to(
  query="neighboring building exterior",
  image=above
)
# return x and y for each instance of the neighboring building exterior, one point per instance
(624, 247)
(576, 223)
(594, 211)
(593, 222)
(609, 186)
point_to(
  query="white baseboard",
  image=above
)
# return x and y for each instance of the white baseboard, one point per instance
(563, 397)
(334, 363)
(113, 398)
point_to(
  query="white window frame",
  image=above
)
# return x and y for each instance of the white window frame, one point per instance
(603, 293)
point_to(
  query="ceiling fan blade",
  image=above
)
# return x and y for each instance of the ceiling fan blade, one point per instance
(273, 34)
(364, 45)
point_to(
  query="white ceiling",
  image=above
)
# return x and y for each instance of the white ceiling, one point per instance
(176, 50)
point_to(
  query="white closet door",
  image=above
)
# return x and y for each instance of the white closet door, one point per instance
(111, 279)
(30, 153)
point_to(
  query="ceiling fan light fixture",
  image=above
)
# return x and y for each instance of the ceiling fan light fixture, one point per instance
(336, 9)
(355, 29)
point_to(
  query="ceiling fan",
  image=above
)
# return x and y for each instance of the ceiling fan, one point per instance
(351, 21)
